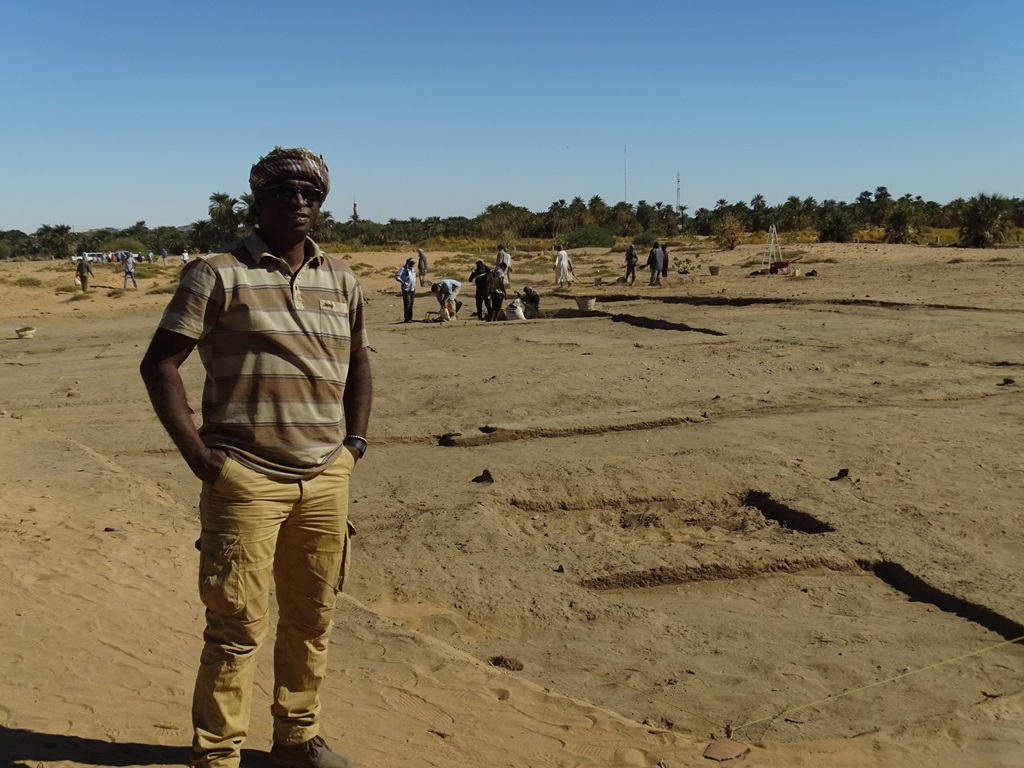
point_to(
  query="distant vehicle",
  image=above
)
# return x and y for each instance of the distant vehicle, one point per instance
(90, 256)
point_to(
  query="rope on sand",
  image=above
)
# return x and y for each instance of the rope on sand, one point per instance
(731, 729)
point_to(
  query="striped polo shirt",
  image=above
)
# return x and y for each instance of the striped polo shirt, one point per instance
(276, 346)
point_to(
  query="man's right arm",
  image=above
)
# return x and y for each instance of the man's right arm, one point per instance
(159, 369)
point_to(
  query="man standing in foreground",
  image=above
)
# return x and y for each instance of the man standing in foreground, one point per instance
(286, 404)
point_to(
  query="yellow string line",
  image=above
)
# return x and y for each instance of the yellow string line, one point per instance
(900, 676)
(667, 703)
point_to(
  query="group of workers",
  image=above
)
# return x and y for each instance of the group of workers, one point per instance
(491, 283)
(657, 262)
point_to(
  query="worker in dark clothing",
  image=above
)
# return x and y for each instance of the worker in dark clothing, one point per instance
(479, 279)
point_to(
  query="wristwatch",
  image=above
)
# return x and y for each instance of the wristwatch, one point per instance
(359, 443)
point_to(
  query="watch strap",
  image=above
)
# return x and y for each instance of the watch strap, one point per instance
(357, 442)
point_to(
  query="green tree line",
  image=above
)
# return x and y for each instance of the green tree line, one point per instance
(981, 221)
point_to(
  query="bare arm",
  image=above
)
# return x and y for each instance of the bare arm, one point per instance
(159, 369)
(358, 395)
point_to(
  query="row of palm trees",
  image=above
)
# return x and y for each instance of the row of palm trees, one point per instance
(983, 220)
(902, 218)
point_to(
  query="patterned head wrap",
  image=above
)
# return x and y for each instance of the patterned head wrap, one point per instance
(289, 164)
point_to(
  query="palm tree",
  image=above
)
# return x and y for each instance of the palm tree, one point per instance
(224, 214)
(138, 230)
(882, 206)
(502, 217)
(203, 235)
(433, 226)
(558, 216)
(622, 219)
(324, 230)
(57, 240)
(579, 216)
(900, 226)
(644, 214)
(759, 214)
(986, 221)
(837, 226)
(703, 221)
(249, 214)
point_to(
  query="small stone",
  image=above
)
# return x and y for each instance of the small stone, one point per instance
(484, 477)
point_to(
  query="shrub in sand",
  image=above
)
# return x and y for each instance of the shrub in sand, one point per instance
(646, 239)
(589, 237)
(28, 282)
(728, 231)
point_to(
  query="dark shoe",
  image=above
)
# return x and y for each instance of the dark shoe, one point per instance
(310, 754)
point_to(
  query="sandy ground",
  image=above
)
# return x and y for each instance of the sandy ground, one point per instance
(783, 508)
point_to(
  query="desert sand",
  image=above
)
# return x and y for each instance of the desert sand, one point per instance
(782, 508)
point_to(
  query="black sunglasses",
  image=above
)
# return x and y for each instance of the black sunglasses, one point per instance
(288, 191)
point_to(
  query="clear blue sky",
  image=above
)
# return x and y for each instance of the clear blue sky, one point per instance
(114, 112)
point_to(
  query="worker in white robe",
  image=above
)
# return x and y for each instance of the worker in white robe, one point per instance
(563, 268)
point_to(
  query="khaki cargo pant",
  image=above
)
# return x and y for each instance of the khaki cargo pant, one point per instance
(255, 528)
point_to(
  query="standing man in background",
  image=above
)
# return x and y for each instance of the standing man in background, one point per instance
(504, 257)
(421, 265)
(631, 261)
(406, 276)
(479, 279)
(654, 263)
(84, 271)
(286, 404)
(128, 262)
(497, 290)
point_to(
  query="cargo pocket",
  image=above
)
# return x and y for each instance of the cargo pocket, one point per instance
(346, 555)
(220, 580)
